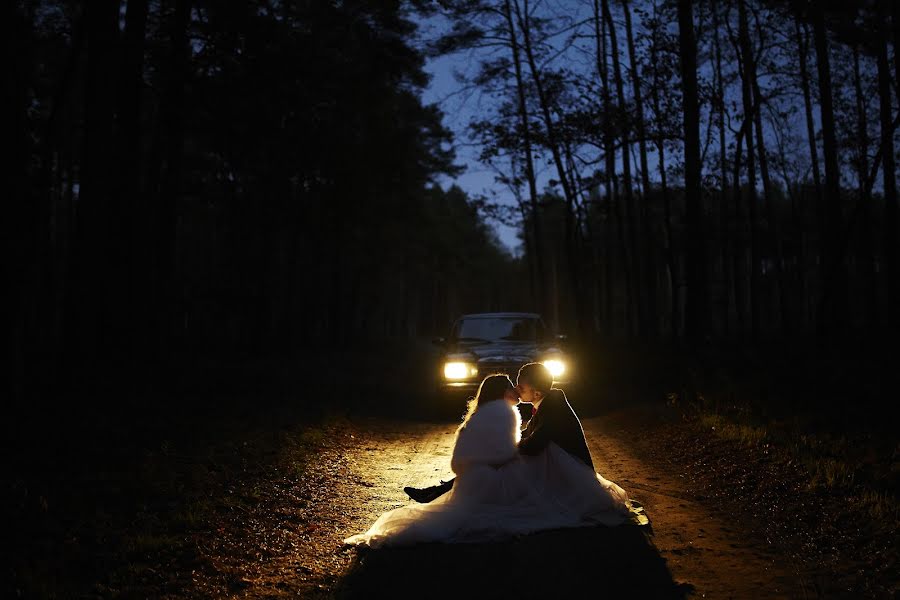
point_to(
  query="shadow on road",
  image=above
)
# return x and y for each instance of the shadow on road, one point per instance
(569, 563)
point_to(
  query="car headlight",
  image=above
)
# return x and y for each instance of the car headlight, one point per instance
(459, 370)
(556, 367)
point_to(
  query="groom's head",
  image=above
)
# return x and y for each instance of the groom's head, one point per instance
(533, 382)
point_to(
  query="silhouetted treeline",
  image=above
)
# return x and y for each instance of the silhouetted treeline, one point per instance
(696, 169)
(192, 178)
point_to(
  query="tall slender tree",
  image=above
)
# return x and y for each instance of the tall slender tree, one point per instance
(648, 246)
(862, 170)
(802, 40)
(724, 225)
(627, 183)
(696, 313)
(94, 334)
(611, 179)
(554, 143)
(660, 139)
(888, 168)
(832, 306)
(133, 235)
(745, 53)
(528, 155)
(768, 192)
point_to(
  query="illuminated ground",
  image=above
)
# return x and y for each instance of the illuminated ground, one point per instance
(690, 547)
(357, 472)
(259, 509)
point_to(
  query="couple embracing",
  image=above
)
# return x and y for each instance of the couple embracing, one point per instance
(509, 480)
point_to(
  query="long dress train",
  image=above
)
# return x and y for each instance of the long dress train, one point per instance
(499, 493)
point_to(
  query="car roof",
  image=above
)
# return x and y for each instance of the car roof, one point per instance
(529, 315)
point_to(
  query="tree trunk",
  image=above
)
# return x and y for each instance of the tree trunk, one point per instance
(631, 221)
(169, 305)
(553, 142)
(746, 59)
(696, 312)
(536, 217)
(648, 246)
(725, 239)
(891, 250)
(895, 25)
(93, 333)
(771, 212)
(14, 28)
(674, 304)
(803, 50)
(612, 184)
(47, 270)
(862, 169)
(524, 207)
(134, 235)
(738, 251)
(832, 306)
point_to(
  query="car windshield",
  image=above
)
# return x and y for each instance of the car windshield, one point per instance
(517, 329)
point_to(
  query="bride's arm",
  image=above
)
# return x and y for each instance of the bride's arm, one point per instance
(462, 457)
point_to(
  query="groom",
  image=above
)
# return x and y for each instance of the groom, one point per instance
(553, 421)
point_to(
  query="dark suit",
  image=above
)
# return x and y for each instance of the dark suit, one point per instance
(554, 421)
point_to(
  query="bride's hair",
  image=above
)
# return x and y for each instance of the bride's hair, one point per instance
(492, 387)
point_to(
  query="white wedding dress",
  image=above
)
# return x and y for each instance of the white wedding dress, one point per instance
(499, 493)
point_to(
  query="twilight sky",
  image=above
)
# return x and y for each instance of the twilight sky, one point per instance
(459, 107)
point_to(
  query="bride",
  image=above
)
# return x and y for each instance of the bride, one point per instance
(499, 491)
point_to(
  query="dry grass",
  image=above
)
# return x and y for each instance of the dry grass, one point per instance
(833, 463)
(746, 435)
(881, 506)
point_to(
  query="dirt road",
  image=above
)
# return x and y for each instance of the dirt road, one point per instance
(360, 473)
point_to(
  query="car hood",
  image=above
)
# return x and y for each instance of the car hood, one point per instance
(501, 351)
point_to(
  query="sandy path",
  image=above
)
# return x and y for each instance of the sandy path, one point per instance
(701, 547)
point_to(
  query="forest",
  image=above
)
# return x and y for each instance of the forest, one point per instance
(192, 180)
(719, 169)
(235, 229)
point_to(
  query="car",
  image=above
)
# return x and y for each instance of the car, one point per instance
(480, 344)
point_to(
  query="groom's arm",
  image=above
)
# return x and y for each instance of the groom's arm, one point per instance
(540, 435)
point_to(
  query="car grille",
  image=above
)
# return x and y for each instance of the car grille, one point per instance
(486, 367)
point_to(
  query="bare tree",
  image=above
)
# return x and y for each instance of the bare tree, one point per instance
(528, 155)
(610, 175)
(696, 313)
(745, 54)
(648, 247)
(627, 184)
(862, 169)
(891, 250)
(95, 296)
(832, 306)
(554, 143)
(725, 241)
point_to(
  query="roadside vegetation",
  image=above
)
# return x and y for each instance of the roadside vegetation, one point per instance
(790, 442)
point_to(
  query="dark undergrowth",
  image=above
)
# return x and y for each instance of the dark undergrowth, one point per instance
(826, 410)
(112, 480)
(796, 441)
(109, 486)
(838, 541)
